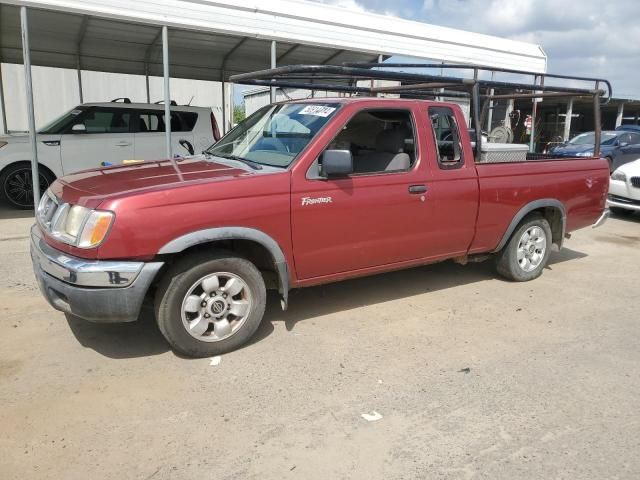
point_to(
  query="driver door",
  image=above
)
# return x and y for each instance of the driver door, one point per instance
(106, 137)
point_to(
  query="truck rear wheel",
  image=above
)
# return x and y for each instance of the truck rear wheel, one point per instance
(527, 252)
(209, 305)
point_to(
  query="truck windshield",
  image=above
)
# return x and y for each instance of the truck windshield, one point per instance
(275, 134)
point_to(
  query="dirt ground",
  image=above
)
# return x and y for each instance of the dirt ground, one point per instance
(474, 377)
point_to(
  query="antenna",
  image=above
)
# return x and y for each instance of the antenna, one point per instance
(190, 100)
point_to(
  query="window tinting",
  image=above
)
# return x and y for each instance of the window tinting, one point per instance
(153, 121)
(446, 136)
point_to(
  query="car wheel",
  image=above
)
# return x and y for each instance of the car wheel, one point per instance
(622, 212)
(527, 252)
(16, 187)
(209, 305)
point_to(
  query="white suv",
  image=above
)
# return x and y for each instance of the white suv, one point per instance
(97, 134)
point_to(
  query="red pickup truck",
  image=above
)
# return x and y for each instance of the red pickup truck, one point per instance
(301, 193)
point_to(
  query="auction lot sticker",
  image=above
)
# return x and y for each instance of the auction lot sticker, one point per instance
(317, 110)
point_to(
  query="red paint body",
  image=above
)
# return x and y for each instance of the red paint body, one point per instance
(372, 224)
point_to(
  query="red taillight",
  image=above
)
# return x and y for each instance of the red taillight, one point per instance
(214, 128)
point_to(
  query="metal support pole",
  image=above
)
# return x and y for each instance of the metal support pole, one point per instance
(475, 113)
(567, 121)
(80, 83)
(146, 82)
(620, 115)
(167, 93)
(26, 59)
(508, 112)
(223, 84)
(533, 120)
(5, 128)
(490, 114)
(274, 47)
(597, 124)
(377, 83)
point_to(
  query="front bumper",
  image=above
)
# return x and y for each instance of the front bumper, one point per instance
(98, 291)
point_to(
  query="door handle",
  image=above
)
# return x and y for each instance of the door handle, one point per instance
(123, 144)
(417, 189)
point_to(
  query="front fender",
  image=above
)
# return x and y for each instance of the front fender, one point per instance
(236, 233)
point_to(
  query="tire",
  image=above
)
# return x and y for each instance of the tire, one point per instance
(621, 212)
(189, 292)
(507, 263)
(16, 186)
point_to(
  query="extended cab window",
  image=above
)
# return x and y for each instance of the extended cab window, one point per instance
(379, 140)
(447, 137)
(153, 121)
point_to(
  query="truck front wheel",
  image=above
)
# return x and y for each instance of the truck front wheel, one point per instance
(209, 305)
(527, 252)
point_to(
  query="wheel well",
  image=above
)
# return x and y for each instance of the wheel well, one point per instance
(251, 250)
(554, 216)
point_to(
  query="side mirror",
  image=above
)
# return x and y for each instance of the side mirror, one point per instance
(186, 145)
(79, 128)
(336, 163)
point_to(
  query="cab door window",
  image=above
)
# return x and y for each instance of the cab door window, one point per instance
(381, 141)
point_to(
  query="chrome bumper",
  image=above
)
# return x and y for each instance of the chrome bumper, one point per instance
(603, 218)
(99, 291)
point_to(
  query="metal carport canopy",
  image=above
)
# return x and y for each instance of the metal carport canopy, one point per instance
(208, 37)
(211, 40)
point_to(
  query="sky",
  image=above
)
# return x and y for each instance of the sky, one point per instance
(596, 38)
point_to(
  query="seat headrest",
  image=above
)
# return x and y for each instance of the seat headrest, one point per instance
(391, 141)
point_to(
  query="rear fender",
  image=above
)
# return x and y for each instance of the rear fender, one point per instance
(544, 203)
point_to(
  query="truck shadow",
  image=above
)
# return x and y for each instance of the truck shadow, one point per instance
(143, 339)
(307, 303)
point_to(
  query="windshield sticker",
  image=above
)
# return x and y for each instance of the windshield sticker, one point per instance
(76, 112)
(317, 110)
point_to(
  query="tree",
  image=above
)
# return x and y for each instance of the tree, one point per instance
(238, 113)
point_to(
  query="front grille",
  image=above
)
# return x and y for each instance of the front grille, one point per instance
(618, 199)
(635, 181)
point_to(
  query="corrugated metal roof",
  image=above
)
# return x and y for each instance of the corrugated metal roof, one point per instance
(207, 37)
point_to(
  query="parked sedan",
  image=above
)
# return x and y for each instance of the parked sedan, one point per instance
(618, 147)
(624, 189)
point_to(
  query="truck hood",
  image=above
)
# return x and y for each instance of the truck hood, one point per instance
(149, 175)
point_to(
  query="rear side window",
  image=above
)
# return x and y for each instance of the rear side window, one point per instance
(106, 120)
(154, 121)
(447, 137)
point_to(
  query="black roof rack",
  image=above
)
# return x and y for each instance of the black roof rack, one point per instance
(348, 76)
(160, 102)
(124, 100)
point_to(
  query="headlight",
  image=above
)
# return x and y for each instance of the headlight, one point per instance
(95, 229)
(76, 225)
(619, 175)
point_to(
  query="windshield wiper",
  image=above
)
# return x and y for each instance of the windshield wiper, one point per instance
(246, 161)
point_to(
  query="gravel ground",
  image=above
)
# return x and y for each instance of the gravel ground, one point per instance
(474, 377)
